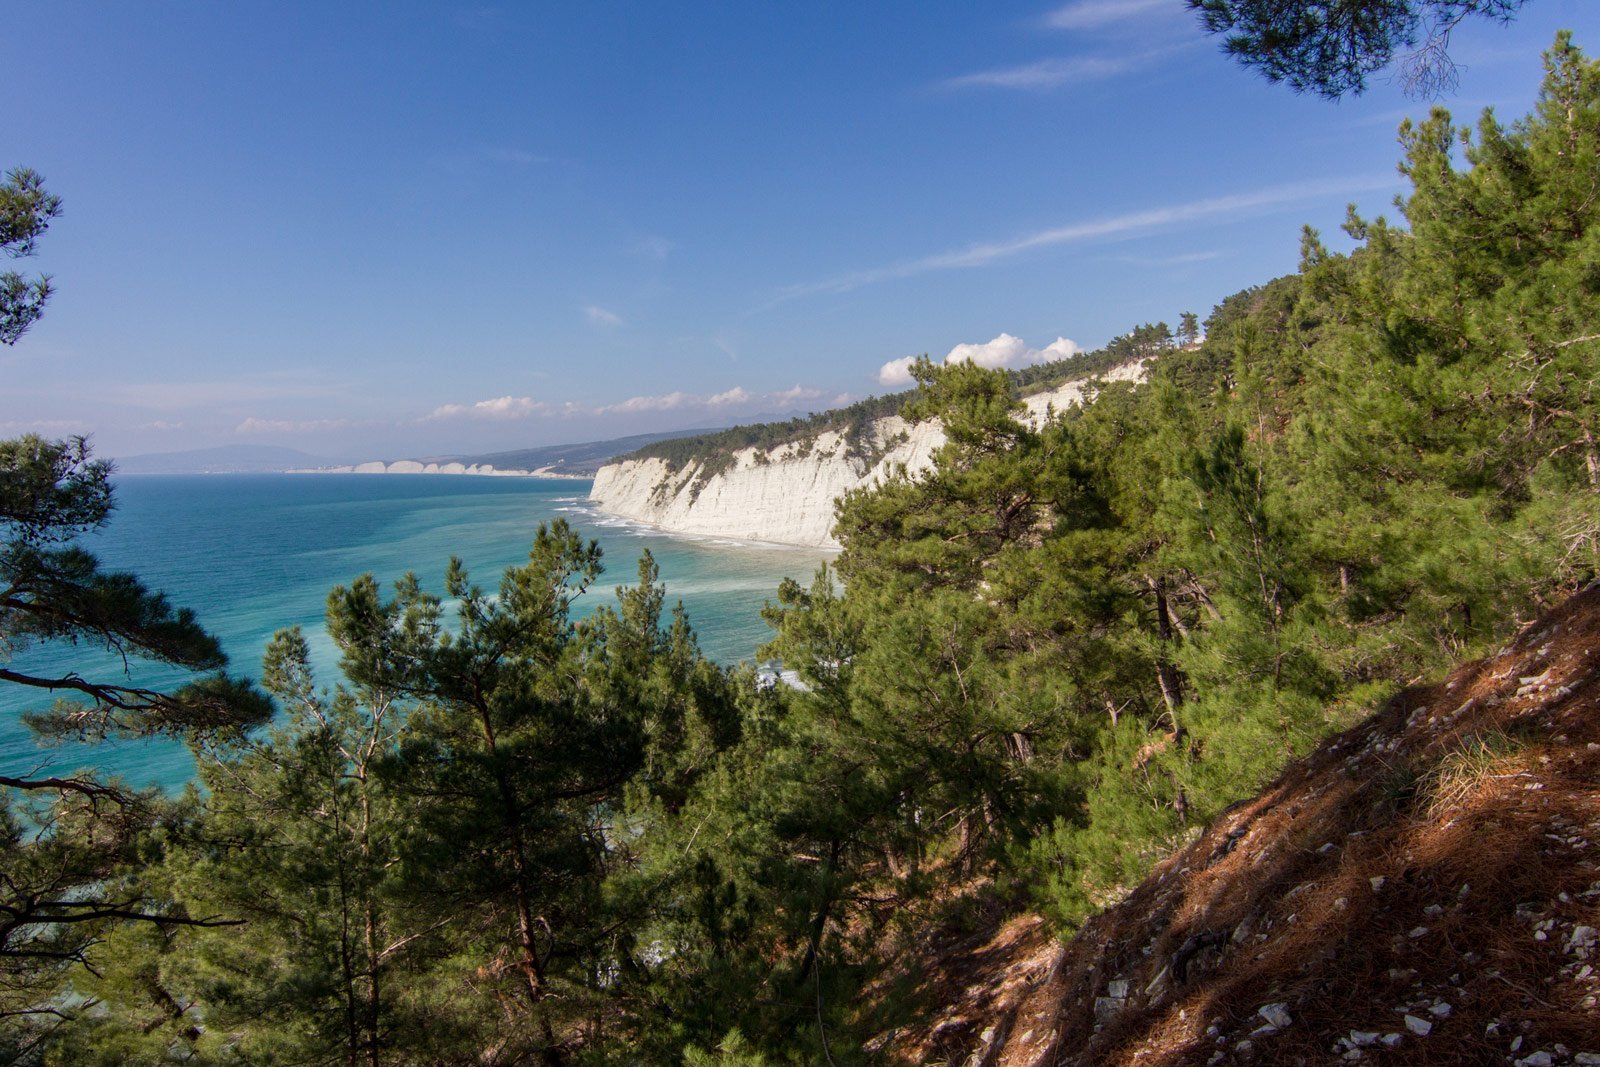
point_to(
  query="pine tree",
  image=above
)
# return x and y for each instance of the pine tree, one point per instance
(64, 837)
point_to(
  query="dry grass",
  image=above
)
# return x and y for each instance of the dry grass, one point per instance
(1436, 860)
(1482, 761)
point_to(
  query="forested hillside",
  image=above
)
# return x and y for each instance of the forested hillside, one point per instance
(715, 450)
(510, 836)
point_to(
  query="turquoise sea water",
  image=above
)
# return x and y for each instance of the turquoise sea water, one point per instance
(254, 553)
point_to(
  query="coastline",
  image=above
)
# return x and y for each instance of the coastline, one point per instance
(409, 466)
(699, 537)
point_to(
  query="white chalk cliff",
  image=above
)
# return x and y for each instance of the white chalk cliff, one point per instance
(785, 494)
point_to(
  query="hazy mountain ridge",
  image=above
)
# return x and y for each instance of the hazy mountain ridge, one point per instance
(577, 460)
(223, 459)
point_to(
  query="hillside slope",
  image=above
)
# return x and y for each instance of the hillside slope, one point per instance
(785, 493)
(1421, 889)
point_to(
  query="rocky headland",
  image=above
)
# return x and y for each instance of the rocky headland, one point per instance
(785, 493)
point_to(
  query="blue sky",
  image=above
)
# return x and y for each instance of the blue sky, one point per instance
(405, 229)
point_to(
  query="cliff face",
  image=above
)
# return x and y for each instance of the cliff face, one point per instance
(786, 494)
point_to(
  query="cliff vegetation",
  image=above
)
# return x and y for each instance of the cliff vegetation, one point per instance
(1060, 656)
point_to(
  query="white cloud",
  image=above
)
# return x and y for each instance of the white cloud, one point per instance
(896, 371)
(1060, 348)
(664, 402)
(501, 407)
(1049, 73)
(1260, 200)
(795, 395)
(601, 317)
(162, 424)
(1092, 14)
(736, 397)
(1004, 352)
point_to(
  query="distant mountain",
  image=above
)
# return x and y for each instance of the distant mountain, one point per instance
(579, 459)
(224, 459)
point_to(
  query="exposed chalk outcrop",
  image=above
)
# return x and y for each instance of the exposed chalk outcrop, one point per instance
(786, 494)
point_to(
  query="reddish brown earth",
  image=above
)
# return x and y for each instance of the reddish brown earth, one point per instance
(1421, 889)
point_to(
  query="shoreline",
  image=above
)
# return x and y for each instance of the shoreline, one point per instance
(436, 468)
(703, 537)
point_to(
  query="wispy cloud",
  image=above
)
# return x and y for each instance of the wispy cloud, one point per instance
(1051, 73)
(510, 408)
(44, 426)
(601, 316)
(501, 407)
(982, 255)
(1177, 260)
(663, 402)
(254, 425)
(1005, 351)
(736, 395)
(1093, 14)
(1123, 58)
(730, 399)
(795, 395)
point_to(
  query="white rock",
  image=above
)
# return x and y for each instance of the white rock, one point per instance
(1276, 1014)
(1420, 1027)
(1106, 1008)
(1157, 984)
(781, 495)
(1377, 883)
(1392, 1040)
(1363, 1038)
(1441, 1010)
(1536, 1059)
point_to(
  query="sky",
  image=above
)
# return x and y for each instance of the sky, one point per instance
(379, 231)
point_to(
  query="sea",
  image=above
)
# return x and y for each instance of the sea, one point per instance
(255, 553)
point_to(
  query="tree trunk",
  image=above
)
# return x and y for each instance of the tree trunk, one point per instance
(1168, 677)
(531, 965)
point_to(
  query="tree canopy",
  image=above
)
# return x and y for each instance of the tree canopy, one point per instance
(67, 839)
(512, 833)
(26, 211)
(1332, 47)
